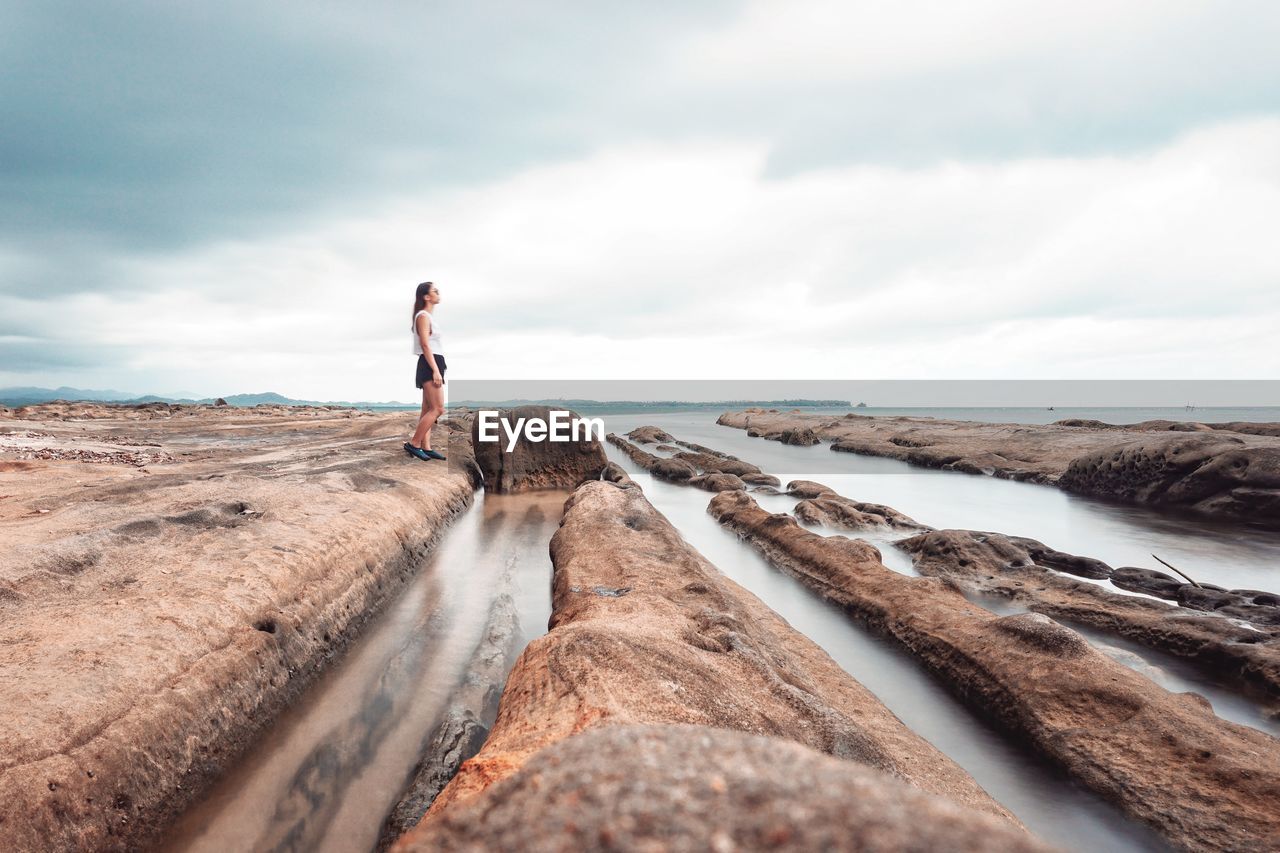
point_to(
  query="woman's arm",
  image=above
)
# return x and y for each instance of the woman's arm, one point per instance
(423, 326)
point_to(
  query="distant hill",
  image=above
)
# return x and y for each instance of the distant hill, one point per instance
(25, 396)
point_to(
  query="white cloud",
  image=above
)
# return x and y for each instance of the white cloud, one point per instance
(826, 40)
(683, 261)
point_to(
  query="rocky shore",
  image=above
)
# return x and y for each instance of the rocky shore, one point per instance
(171, 577)
(1166, 759)
(645, 632)
(1226, 470)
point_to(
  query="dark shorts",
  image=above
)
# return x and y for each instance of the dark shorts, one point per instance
(423, 375)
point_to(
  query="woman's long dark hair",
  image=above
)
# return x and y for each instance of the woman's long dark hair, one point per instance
(420, 297)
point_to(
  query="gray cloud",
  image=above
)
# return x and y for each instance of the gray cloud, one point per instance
(138, 137)
(153, 127)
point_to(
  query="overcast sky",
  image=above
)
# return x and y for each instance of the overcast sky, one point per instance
(242, 198)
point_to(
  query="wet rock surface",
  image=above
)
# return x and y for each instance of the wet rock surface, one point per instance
(462, 731)
(535, 465)
(649, 435)
(684, 645)
(1005, 566)
(1209, 469)
(695, 788)
(1215, 474)
(1166, 759)
(154, 619)
(834, 510)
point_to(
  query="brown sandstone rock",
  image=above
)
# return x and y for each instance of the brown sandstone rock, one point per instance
(994, 564)
(535, 465)
(1202, 782)
(1211, 471)
(716, 464)
(835, 510)
(649, 435)
(645, 630)
(802, 437)
(808, 489)
(717, 482)
(694, 788)
(1147, 581)
(152, 623)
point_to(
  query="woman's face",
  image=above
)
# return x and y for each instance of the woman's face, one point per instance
(433, 296)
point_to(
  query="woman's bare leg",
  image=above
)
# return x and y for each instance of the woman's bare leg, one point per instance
(432, 409)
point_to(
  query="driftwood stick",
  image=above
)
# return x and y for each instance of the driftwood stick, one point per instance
(1181, 572)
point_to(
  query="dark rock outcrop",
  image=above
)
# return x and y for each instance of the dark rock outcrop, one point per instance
(802, 437)
(1214, 473)
(1166, 759)
(690, 788)
(994, 564)
(1147, 581)
(535, 465)
(1202, 468)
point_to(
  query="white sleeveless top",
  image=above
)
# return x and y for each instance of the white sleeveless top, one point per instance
(433, 337)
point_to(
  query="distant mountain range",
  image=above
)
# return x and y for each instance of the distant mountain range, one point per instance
(26, 396)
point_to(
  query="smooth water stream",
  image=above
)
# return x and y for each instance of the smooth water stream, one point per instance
(329, 769)
(326, 772)
(1044, 798)
(1230, 555)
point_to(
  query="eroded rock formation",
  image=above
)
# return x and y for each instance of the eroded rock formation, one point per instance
(153, 619)
(645, 631)
(535, 465)
(838, 511)
(1017, 569)
(1166, 759)
(1224, 470)
(1216, 474)
(667, 787)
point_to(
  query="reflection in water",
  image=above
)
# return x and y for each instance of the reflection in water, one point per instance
(324, 775)
(1044, 798)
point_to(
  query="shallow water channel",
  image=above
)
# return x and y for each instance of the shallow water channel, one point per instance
(329, 769)
(324, 775)
(1044, 798)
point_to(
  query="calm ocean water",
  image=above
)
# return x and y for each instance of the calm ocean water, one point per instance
(988, 414)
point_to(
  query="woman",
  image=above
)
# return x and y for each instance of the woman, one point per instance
(430, 373)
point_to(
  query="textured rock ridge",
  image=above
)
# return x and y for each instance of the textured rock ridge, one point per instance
(693, 788)
(1223, 470)
(153, 620)
(1166, 759)
(535, 465)
(1015, 568)
(645, 631)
